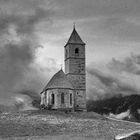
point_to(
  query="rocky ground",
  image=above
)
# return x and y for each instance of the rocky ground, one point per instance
(59, 125)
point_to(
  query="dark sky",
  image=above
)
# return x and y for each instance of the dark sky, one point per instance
(33, 33)
(107, 26)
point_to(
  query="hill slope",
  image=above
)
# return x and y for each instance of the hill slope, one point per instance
(55, 124)
(117, 105)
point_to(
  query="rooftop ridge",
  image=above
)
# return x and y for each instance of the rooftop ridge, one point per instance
(59, 80)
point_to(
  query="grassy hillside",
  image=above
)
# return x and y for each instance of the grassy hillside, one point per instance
(55, 125)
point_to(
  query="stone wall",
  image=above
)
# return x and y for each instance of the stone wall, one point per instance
(47, 99)
(75, 66)
(75, 70)
(78, 81)
(70, 51)
(80, 100)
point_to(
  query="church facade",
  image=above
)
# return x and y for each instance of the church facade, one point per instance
(67, 90)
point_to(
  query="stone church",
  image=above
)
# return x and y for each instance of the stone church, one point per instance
(67, 90)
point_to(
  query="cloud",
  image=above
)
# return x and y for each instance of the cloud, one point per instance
(102, 22)
(24, 23)
(116, 77)
(90, 8)
(130, 65)
(18, 45)
(105, 19)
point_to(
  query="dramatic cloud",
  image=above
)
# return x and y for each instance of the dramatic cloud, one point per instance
(107, 26)
(116, 77)
(18, 45)
(110, 28)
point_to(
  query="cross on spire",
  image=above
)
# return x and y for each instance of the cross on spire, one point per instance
(74, 37)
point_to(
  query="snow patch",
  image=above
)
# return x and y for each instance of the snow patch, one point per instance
(121, 115)
(126, 135)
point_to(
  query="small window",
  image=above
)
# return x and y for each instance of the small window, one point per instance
(76, 50)
(66, 53)
(53, 99)
(62, 98)
(70, 99)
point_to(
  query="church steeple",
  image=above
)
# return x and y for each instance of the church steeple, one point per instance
(75, 38)
(75, 68)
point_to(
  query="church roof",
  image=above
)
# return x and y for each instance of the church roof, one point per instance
(59, 80)
(75, 38)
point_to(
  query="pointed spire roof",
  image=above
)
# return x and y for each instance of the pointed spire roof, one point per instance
(59, 80)
(75, 38)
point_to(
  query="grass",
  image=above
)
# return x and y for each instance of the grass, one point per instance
(53, 125)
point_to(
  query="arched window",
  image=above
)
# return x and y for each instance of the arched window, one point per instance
(62, 98)
(52, 99)
(66, 53)
(76, 50)
(70, 99)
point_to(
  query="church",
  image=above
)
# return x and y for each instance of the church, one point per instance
(67, 90)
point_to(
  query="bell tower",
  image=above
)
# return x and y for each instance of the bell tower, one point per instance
(75, 68)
